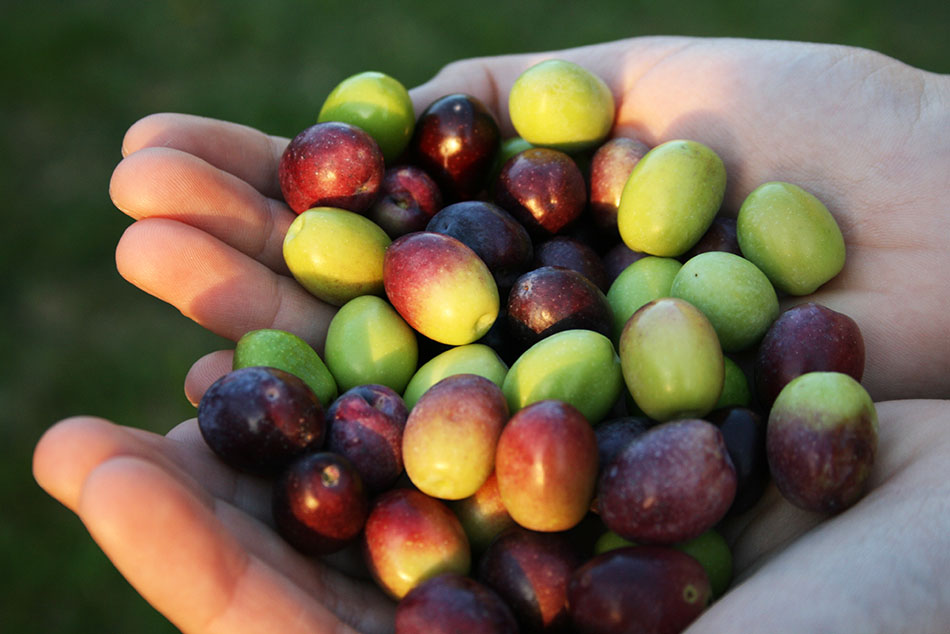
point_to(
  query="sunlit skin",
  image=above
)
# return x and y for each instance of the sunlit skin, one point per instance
(191, 536)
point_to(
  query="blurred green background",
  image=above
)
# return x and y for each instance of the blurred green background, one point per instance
(74, 75)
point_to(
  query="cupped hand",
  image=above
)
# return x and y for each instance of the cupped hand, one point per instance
(863, 132)
(195, 538)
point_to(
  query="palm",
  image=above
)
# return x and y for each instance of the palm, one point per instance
(865, 570)
(859, 131)
(851, 127)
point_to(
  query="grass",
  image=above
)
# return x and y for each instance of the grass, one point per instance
(79, 339)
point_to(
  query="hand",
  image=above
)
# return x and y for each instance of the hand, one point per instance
(861, 131)
(195, 538)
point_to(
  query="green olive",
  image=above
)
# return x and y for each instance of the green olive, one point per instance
(562, 105)
(643, 281)
(671, 198)
(790, 235)
(473, 358)
(376, 103)
(336, 254)
(735, 388)
(288, 352)
(671, 359)
(736, 297)
(579, 367)
(368, 342)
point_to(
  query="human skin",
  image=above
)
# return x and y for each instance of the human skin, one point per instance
(206, 191)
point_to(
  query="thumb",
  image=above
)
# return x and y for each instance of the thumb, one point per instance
(489, 79)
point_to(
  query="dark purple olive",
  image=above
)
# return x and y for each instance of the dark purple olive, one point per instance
(365, 425)
(319, 503)
(258, 419)
(807, 338)
(492, 233)
(455, 141)
(543, 189)
(618, 258)
(669, 484)
(452, 603)
(407, 200)
(614, 435)
(574, 254)
(639, 589)
(744, 434)
(531, 571)
(721, 236)
(552, 299)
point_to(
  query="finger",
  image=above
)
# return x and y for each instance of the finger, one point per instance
(168, 183)
(750, 101)
(621, 64)
(70, 450)
(60, 469)
(900, 318)
(251, 494)
(871, 568)
(240, 150)
(489, 79)
(206, 371)
(910, 434)
(184, 557)
(73, 448)
(215, 285)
